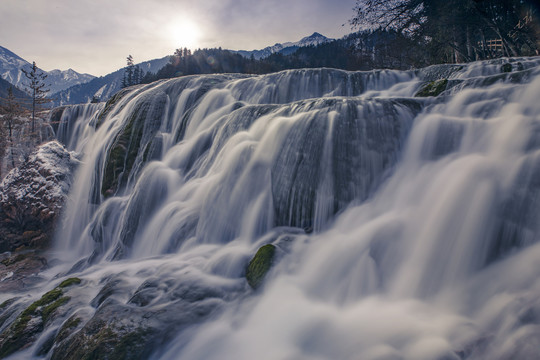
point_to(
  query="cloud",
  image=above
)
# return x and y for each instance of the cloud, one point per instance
(96, 36)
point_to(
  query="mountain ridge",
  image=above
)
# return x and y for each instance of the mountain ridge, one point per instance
(57, 80)
(285, 48)
(83, 88)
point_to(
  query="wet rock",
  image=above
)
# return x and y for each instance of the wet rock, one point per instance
(55, 116)
(125, 331)
(128, 150)
(112, 287)
(24, 330)
(20, 270)
(67, 328)
(7, 310)
(100, 339)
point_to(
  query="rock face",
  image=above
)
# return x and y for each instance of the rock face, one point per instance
(32, 196)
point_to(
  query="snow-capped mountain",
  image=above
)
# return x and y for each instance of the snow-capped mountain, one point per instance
(287, 47)
(61, 80)
(103, 87)
(10, 70)
(11, 65)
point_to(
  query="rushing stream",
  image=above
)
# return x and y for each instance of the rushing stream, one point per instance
(404, 227)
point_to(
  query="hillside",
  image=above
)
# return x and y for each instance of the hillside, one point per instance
(18, 94)
(103, 87)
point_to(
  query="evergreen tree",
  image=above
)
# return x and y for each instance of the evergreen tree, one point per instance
(133, 75)
(128, 72)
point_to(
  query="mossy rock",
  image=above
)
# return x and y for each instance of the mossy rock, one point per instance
(67, 328)
(69, 282)
(433, 88)
(109, 106)
(259, 266)
(14, 259)
(137, 134)
(7, 304)
(100, 340)
(506, 68)
(121, 158)
(48, 310)
(31, 322)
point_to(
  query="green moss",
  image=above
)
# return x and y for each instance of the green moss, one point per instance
(259, 265)
(67, 328)
(138, 129)
(48, 310)
(19, 335)
(49, 297)
(107, 343)
(506, 68)
(129, 345)
(7, 303)
(122, 154)
(30, 311)
(70, 282)
(433, 88)
(109, 106)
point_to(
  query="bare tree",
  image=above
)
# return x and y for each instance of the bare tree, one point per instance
(456, 30)
(12, 118)
(36, 88)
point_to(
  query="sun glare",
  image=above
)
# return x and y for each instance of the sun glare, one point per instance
(183, 33)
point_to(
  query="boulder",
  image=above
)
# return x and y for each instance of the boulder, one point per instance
(260, 265)
(32, 197)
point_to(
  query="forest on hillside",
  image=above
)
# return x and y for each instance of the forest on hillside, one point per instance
(401, 34)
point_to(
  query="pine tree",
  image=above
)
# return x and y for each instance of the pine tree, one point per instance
(128, 72)
(135, 76)
(141, 76)
(36, 88)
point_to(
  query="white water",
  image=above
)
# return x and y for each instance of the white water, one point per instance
(423, 211)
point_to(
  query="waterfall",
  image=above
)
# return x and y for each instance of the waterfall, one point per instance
(404, 227)
(73, 124)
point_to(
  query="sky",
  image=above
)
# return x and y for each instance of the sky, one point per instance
(96, 36)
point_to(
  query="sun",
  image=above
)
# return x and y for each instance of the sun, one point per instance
(183, 33)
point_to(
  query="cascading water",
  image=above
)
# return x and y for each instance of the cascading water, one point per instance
(403, 227)
(74, 124)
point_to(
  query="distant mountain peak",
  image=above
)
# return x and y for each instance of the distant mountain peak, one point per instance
(313, 39)
(287, 47)
(11, 65)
